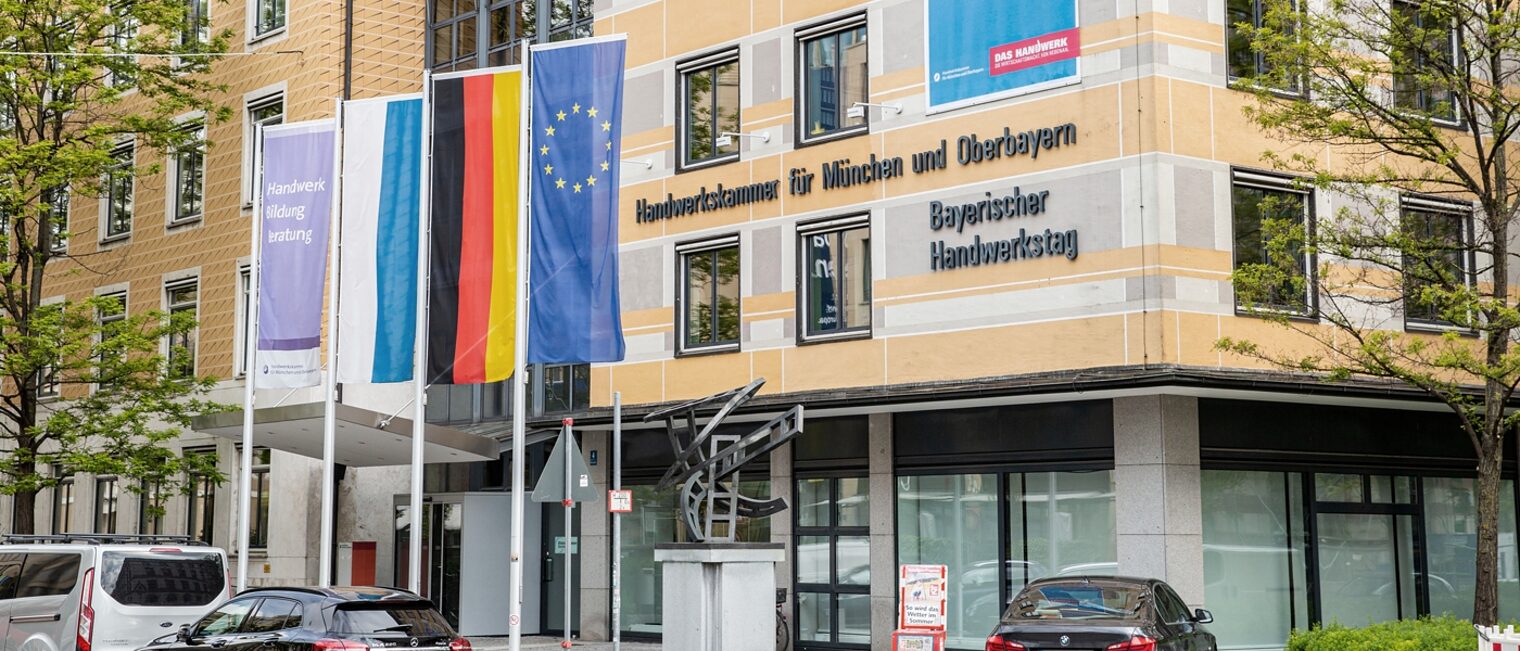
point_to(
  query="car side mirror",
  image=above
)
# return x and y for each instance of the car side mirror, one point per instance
(1202, 616)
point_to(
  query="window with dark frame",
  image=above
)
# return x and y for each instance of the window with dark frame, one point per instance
(1261, 206)
(1244, 61)
(190, 177)
(709, 108)
(709, 305)
(106, 501)
(835, 279)
(264, 111)
(119, 184)
(832, 560)
(121, 37)
(182, 297)
(1437, 256)
(1430, 45)
(469, 34)
(56, 206)
(197, 28)
(833, 74)
(201, 504)
(63, 501)
(268, 17)
(111, 314)
(258, 500)
(149, 499)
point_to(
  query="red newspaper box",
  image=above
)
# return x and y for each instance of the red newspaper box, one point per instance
(918, 639)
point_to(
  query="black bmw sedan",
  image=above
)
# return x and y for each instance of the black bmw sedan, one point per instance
(1101, 614)
(313, 619)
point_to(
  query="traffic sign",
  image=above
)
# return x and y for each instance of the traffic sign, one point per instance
(551, 484)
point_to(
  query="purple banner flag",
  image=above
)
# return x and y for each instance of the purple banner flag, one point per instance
(295, 211)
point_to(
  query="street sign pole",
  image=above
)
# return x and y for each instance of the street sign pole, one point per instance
(617, 532)
(569, 541)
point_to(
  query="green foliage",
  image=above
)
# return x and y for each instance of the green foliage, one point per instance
(1435, 634)
(77, 79)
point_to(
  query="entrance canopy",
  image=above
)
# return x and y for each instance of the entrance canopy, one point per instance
(364, 437)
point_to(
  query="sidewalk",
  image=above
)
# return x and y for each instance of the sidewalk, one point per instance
(542, 643)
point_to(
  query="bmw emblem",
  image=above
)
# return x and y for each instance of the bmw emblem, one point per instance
(413, 642)
(1065, 640)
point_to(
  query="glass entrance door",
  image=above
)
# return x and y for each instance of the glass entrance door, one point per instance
(1367, 569)
(442, 544)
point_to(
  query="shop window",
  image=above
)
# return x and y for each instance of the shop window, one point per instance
(200, 514)
(268, 17)
(117, 197)
(1426, 53)
(1437, 259)
(835, 279)
(1058, 524)
(832, 78)
(182, 299)
(63, 501)
(708, 310)
(189, 173)
(1253, 557)
(709, 108)
(1451, 537)
(107, 499)
(1265, 209)
(832, 560)
(1245, 61)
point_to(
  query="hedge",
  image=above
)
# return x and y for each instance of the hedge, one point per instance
(1434, 634)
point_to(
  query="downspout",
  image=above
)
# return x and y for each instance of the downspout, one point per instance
(348, 49)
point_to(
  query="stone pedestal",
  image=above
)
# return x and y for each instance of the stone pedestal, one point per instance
(719, 596)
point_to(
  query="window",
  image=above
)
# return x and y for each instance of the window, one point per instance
(171, 578)
(274, 615)
(182, 298)
(226, 619)
(1437, 258)
(835, 287)
(118, 195)
(1244, 61)
(833, 560)
(48, 575)
(708, 308)
(268, 17)
(709, 108)
(123, 36)
(106, 501)
(258, 501)
(47, 382)
(551, 389)
(570, 19)
(189, 177)
(264, 111)
(150, 506)
(244, 310)
(63, 502)
(112, 316)
(56, 212)
(833, 75)
(201, 512)
(454, 27)
(1427, 58)
(1265, 209)
(197, 29)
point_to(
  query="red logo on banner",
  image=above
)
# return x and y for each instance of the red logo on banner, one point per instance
(1037, 51)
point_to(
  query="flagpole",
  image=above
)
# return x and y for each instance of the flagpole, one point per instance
(330, 408)
(519, 357)
(251, 343)
(419, 354)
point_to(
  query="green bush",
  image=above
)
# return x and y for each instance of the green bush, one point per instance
(1434, 634)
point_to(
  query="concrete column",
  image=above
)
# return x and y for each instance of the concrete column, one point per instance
(1156, 481)
(781, 523)
(883, 533)
(595, 562)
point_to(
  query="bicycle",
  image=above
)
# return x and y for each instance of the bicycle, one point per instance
(783, 633)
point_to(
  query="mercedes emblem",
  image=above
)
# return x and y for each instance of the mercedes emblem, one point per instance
(1065, 640)
(413, 642)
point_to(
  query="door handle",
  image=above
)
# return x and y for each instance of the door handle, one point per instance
(217, 644)
(548, 568)
(33, 619)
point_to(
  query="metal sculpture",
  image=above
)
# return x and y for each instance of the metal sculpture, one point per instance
(707, 464)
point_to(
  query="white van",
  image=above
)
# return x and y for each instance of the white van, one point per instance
(104, 592)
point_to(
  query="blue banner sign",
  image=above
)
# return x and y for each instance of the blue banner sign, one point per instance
(983, 50)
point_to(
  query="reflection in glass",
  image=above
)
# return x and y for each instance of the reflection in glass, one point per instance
(1451, 534)
(835, 75)
(1337, 488)
(1253, 557)
(712, 108)
(813, 503)
(813, 559)
(839, 281)
(813, 616)
(652, 522)
(952, 520)
(854, 619)
(854, 502)
(1067, 522)
(1365, 568)
(712, 297)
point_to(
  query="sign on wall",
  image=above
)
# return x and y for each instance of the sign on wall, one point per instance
(921, 597)
(982, 50)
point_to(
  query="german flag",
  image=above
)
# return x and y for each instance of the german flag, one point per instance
(477, 129)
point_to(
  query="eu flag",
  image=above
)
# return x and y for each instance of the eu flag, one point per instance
(573, 313)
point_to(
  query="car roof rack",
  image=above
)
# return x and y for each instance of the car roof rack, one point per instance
(99, 539)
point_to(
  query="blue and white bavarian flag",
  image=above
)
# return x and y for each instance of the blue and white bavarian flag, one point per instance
(573, 313)
(377, 304)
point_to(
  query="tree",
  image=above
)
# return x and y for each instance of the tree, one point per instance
(1407, 111)
(77, 78)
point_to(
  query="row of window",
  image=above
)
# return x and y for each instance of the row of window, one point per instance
(1442, 227)
(1412, 67)
(180, 297)
(468, 34)
(200, 504)
(834, 286)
